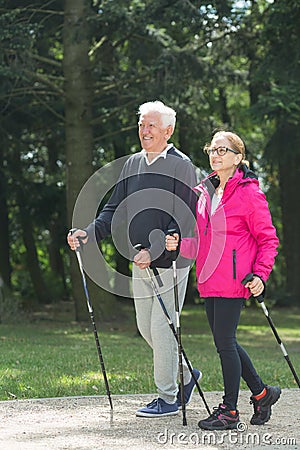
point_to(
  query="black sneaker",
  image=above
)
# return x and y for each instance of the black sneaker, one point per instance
(220, 419)
(262, 407)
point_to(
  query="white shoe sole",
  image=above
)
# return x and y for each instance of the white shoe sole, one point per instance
(156, 416)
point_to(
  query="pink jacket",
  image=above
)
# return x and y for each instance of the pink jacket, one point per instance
(238, 238)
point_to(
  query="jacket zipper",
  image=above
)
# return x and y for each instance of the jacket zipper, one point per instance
(205, 231)
(234, 263)
(206, 226)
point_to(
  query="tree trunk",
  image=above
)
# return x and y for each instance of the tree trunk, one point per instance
(225, 116)
(286, 139)
(55, 256)
(25, 220)
(33, 265)
(5, 267)
(32, 260)
(78, 129)
(56, 222)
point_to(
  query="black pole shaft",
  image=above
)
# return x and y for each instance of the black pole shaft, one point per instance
(178, 332)
(101, 359)
(91, 312)
(285, 354)
(260, 300)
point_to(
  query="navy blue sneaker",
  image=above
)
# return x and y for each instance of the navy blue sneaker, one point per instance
(158, 408)
(188, 388)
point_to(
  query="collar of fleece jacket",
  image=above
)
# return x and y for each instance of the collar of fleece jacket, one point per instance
(242, 175)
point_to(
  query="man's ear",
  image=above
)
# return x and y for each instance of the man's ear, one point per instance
(169, 131)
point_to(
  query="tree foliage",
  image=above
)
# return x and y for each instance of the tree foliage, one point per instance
(70, 88)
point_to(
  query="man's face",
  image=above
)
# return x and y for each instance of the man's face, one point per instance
(152, 134)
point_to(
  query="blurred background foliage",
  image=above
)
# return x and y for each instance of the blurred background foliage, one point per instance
(72, 75)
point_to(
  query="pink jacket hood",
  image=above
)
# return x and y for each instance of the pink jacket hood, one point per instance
(238, 238)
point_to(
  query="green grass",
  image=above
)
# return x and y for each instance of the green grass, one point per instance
(51, 356)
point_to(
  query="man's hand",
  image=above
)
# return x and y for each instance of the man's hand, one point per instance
(73, 241)
(142, 259)
(172, 242)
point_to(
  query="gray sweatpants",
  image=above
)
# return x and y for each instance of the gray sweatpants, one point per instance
(155, 329)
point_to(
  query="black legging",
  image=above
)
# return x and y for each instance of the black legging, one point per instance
(223, 316)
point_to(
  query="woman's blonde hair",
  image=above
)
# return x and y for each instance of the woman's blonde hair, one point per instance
(235, 141)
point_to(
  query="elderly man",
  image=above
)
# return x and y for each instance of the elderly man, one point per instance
(154, 190)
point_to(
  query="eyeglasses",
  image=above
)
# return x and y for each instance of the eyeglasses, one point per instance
(221, 151)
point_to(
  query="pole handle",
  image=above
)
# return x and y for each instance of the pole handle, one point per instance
(173, 253)
(137, 247)
(80, 239)
(249, 277)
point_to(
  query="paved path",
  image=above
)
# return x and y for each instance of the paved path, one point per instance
(86, 423)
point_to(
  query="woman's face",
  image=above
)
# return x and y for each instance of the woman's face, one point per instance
(226, 163)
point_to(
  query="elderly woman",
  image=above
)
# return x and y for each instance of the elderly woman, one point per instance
(234, 237)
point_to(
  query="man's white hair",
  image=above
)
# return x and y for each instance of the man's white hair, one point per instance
(168, 115)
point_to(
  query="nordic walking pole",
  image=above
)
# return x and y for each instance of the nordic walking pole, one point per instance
(178, 332)
(171, 325)
(260, 300)
(91, 312)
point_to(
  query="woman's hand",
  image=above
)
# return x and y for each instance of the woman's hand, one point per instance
(256, 286)
(172, 242)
